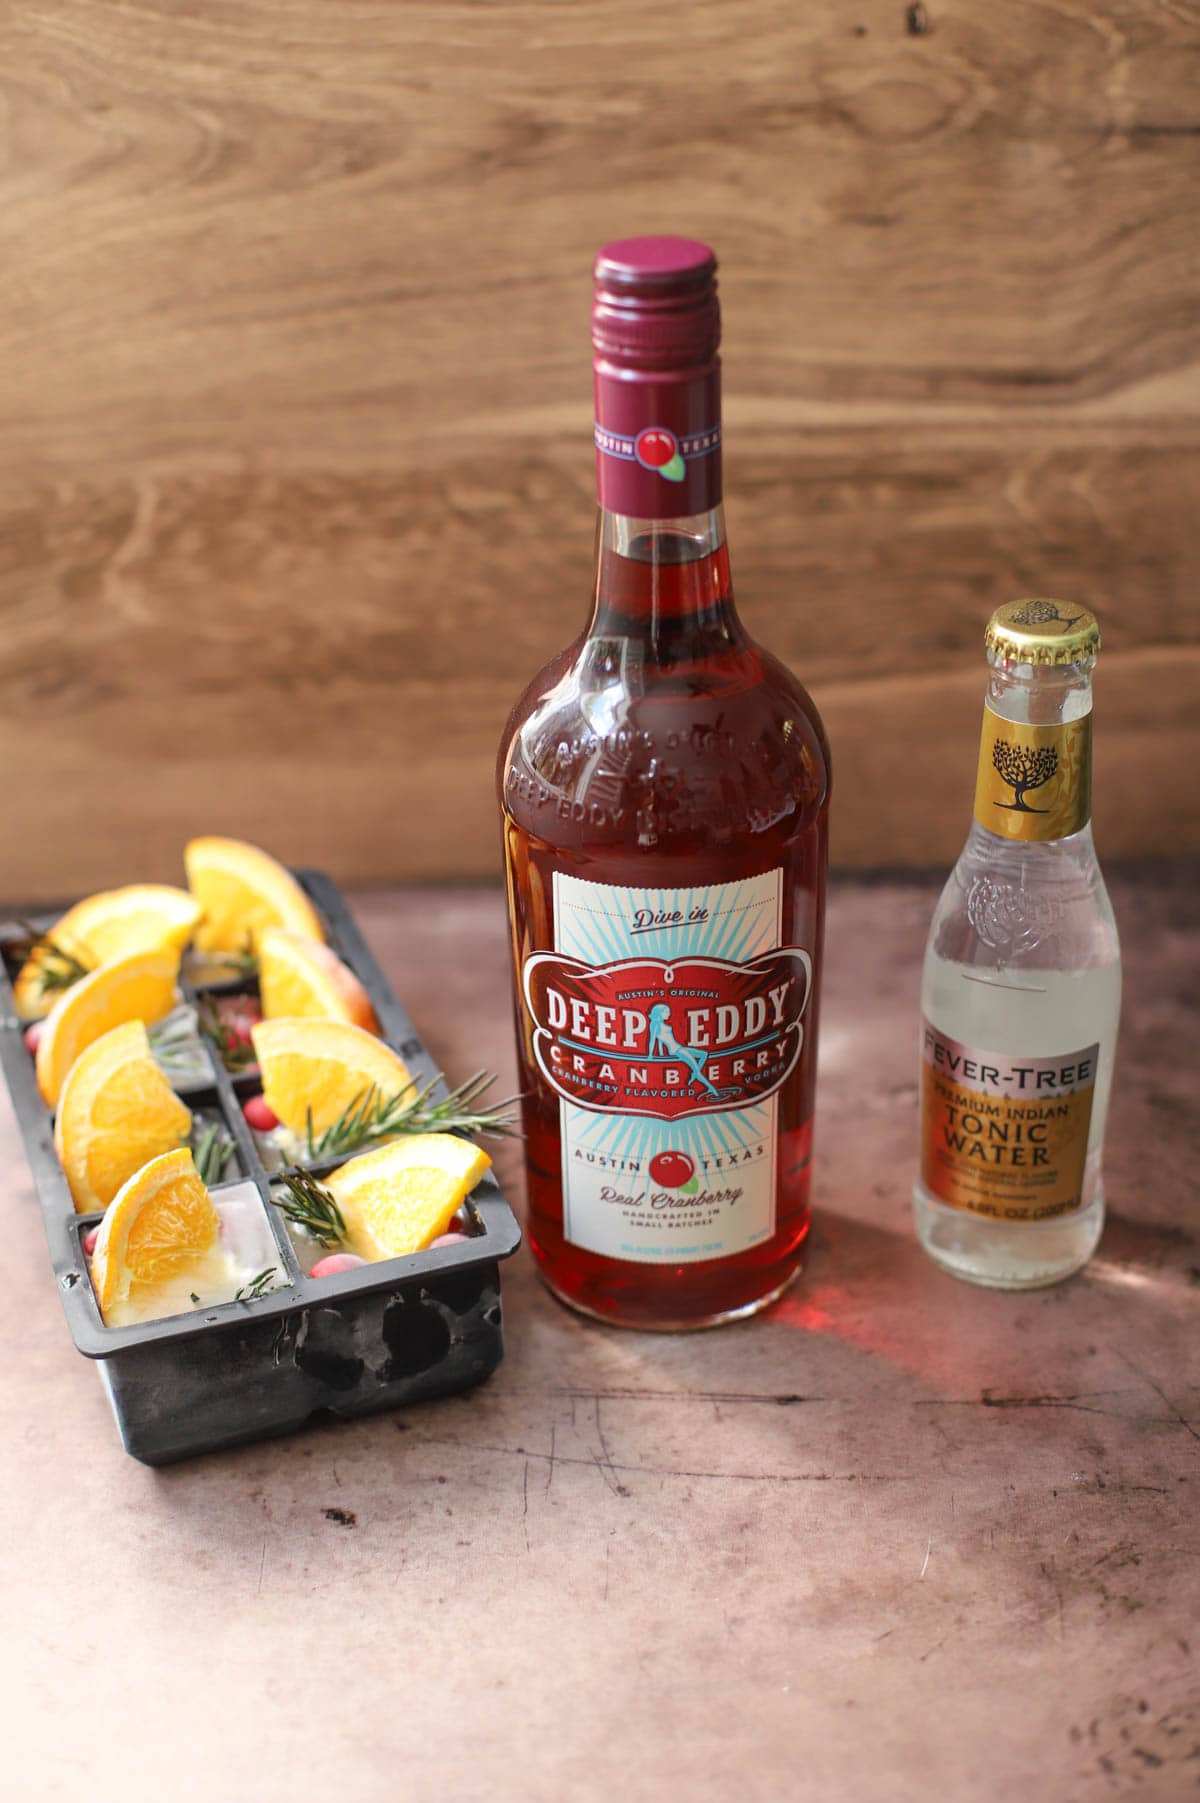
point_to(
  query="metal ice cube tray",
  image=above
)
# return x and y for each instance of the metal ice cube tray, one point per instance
(381, 1336)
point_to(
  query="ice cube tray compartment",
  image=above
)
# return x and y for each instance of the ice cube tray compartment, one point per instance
(377, 1337)
(14, 939)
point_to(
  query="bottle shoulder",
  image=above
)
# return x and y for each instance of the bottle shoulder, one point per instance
(597, 680)
(726, 736)
(542, 686)
(1013, 904)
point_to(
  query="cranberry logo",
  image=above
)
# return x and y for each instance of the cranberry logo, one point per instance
(673, 1170)
(658, 449)
(667, 1039)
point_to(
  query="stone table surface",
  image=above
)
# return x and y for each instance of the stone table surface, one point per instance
(897, 1539)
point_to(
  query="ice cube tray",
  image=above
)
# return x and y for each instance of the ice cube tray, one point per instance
(383, 1336)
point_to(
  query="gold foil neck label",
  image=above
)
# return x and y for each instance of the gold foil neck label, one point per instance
(1034, 782)
(1004, 1136)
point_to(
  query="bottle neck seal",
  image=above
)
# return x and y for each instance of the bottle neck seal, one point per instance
(1034, 777)
(658, 441)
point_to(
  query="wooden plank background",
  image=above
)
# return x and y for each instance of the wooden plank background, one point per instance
(295, 465)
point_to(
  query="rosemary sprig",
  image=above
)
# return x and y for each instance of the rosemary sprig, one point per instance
(212, 1153)
(57, 966)
(310, 1205)
(176, 1046)
(234, 1053)
(257, 1286)
(371, 1115)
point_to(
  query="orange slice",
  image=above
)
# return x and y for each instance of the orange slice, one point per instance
(158, 1225)
(242, 890)
(115, 1113)
(138, 987)
(300, 977)
(143, 917)
(323, 1065)
(401, 1196)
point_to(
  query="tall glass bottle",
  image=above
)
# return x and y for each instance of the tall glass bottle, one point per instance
(1022, 978)
(664, 785)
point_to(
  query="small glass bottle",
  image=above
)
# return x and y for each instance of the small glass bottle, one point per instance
(1021, 989)
(664, 784)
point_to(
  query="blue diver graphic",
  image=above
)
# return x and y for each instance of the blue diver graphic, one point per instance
(663, 1040)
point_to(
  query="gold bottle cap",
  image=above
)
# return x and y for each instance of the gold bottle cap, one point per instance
(1042, 632)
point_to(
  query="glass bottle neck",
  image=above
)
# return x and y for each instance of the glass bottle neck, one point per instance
(659, 580)
(1039, 694)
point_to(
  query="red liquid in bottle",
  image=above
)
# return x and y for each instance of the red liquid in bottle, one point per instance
(665, 783)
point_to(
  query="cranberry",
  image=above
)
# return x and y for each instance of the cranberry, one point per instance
(237, 1007)
(259, 1115)
(33, 1034)
(655, 447)
(671, 1169)
(89, 1240)
(448, 1239)
(337, 1261)
(238, 1014)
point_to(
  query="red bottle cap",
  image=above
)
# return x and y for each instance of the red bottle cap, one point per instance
(656, 304)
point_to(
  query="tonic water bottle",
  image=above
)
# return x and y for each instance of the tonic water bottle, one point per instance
(1021, 987)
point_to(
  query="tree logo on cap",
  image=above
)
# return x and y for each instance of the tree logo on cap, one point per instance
(1041, 613)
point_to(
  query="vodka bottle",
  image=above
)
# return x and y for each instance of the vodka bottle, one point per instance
(664, 786)
(1022, 979)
